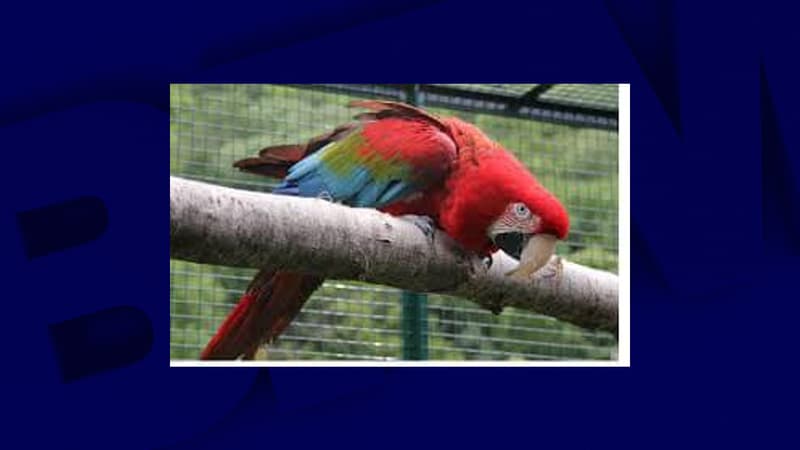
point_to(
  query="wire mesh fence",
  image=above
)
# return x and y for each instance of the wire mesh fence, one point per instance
(566, 134)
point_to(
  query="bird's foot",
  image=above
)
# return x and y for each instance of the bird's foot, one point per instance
(552, 269)
(425, 223)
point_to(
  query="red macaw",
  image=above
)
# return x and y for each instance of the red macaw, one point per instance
(403, 161)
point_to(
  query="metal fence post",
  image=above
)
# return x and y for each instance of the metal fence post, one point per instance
(415, 305)
(415, 326)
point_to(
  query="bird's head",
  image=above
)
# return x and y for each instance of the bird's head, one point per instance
(529, 222)
(496, 194)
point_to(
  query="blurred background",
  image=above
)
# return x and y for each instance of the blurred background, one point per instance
(565, 133)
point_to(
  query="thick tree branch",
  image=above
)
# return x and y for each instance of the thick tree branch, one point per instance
(216, 225)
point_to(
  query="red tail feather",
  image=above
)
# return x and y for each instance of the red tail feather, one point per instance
(228, 328)
(270, 303)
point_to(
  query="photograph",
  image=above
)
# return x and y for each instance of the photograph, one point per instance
(399, 224)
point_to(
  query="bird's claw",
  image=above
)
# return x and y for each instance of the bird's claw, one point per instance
(424, 223)
(552, 269)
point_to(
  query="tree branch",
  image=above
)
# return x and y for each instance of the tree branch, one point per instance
(217, 225)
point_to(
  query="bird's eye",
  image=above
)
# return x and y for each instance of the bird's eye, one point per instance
(521, 211)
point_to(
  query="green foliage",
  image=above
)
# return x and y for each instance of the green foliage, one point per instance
(211, 126)
(595, 257)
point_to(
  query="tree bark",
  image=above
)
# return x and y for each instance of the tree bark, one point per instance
(211, 224)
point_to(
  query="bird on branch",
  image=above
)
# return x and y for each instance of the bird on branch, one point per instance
(402, 160)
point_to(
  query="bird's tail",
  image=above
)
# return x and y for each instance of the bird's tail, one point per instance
(270, 303)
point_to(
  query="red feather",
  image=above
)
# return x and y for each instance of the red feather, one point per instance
(270, 303)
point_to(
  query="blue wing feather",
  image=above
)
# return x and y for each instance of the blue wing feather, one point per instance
(311, 178)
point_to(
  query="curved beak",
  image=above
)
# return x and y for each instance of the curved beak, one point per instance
(535, 253)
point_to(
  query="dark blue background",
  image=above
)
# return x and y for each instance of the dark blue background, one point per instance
(715, 215)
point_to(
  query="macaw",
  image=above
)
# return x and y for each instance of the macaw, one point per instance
(406, 162)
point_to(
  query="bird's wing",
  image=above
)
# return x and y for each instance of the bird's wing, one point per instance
(393, 151)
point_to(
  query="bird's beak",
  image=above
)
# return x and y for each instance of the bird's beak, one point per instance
(535, 254)
(512, 242)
